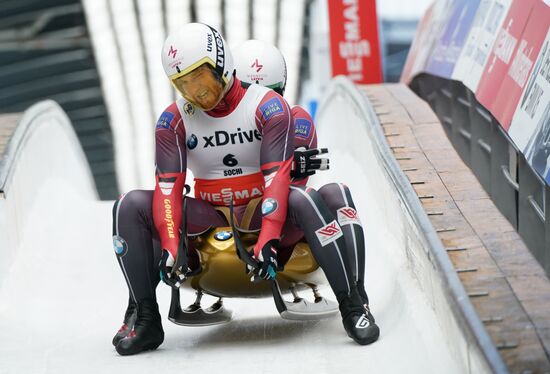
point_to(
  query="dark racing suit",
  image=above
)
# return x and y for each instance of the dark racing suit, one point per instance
(241, 150)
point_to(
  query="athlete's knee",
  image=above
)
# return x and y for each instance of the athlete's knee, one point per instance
(135, 200)
(301, 198)
(133, 207)
(332, 189)
(336, 195)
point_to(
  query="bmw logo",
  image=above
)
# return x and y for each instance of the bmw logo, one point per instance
(120, 245)
(223, 235)
(192, 141)
(269, 206)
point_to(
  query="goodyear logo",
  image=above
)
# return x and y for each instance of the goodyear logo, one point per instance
(271, 107)
(165, 120)
(302, 128)
(168, 218)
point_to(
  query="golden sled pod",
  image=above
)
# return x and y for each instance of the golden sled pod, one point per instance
(223, 254)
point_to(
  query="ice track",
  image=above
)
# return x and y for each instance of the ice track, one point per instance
(62, 295)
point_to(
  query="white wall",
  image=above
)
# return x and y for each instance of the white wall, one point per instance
(402, 246)
(43, 150)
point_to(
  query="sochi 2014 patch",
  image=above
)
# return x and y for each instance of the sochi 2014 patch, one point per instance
(271, 108)
(329, 233)
(120, 245)
(302, 128)
(347, 216)
(269, 206)
(165, 120)
(189, 109)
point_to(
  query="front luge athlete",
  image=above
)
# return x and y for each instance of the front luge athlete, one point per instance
(239, 145)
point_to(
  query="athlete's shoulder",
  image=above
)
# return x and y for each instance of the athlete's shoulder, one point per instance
(170, 118)
(303, 125)
(271, 105)
(300, 112)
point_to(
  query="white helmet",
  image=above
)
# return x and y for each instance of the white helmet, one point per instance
(257, 62)
(194, 45)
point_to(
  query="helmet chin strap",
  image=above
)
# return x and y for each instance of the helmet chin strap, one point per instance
(229, 85)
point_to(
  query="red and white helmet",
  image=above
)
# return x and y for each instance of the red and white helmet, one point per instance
(257, 62)
(193, 45)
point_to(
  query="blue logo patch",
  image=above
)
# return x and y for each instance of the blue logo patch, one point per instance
(269, 206)
(223, 235)
(164, 120)
(192, 141)
(120, 245)
(271, 108)
(302, 128)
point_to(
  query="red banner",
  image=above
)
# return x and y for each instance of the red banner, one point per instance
(523, 61)
(355, 50)
(503, 51)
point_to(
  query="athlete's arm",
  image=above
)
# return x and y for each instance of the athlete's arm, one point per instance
(171, 164)
(305, 133)
(305, 136)
(275, 123)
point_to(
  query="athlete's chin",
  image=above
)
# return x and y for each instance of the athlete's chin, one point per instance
(207, 105)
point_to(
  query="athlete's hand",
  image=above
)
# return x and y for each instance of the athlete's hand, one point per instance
(171, 273)
(306, 162)
(267, 259)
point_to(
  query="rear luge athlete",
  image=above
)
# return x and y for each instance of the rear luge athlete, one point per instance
(239, 144)
(258, 62)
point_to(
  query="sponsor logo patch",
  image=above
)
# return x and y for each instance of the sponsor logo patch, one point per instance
(347, 216)
(302, 128)
(269, 206)
(172, 52)
(189, 109)
(271, 108)
(221, 138)
(166, 187)
(209, 40)
(164, 120)
(269, 178)
(232, 172)
(168, 218)
(220, 53)
(256, 64)
(363, 322)
(329, 233)
(227, 194)
(223, 235)
(120, 245)
(192, 141)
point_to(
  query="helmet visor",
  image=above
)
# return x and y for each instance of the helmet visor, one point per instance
(202, 87)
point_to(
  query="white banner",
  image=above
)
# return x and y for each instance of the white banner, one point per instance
(530, 128)
(464, 62)
(480, 45)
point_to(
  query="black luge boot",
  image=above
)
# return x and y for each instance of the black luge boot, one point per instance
(363, 294)
(147, 333)
(357, 318)
(128, 324)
